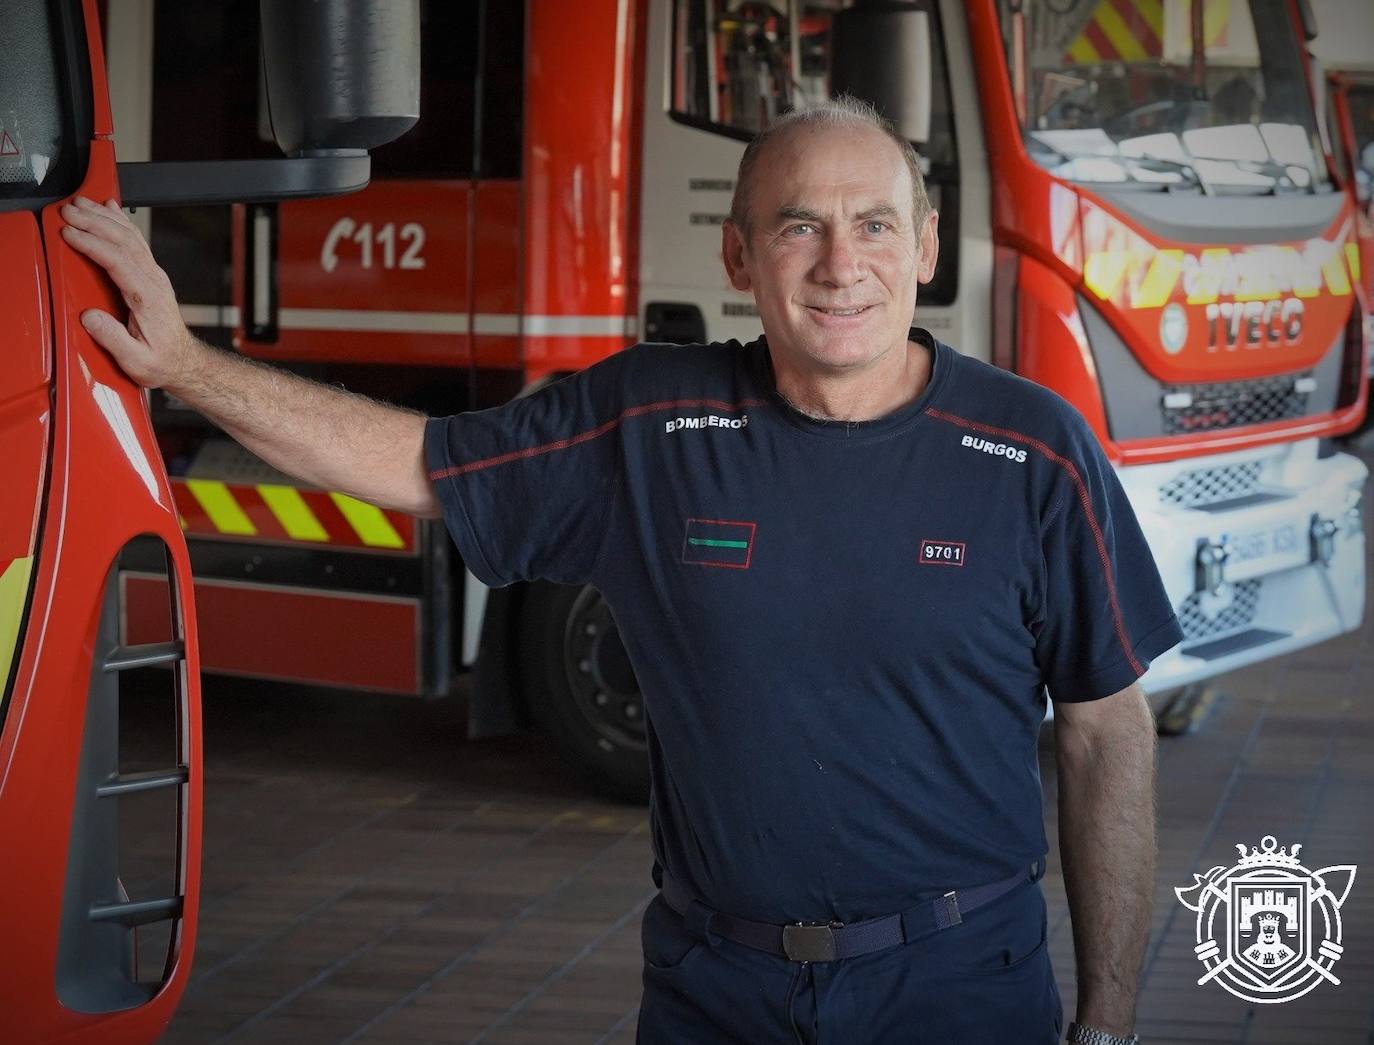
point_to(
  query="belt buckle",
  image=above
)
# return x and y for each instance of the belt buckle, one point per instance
(810, 941)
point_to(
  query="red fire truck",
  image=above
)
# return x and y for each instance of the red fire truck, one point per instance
(1135, 208)
(99, 912)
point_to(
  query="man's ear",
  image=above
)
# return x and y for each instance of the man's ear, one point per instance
(732, 250)
(928, 243)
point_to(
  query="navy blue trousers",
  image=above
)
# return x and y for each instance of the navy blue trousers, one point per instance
(986, 980)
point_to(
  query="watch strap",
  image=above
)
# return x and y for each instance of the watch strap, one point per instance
(1082, 1034)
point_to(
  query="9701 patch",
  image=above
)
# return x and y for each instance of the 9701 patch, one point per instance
(942, 553)
(716, 542)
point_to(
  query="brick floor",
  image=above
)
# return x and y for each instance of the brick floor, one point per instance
(371, 876)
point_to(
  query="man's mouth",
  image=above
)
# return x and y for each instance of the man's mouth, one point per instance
(854, 311)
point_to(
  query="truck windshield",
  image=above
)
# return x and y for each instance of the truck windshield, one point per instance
(1169, 95)
(37, 146)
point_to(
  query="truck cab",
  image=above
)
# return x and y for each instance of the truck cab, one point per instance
(100, 911)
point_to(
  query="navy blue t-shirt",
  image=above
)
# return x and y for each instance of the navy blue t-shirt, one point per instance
(842, 631)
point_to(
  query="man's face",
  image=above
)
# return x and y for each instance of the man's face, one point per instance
(832, 258)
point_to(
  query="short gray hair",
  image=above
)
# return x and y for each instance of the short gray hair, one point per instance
(843, 110)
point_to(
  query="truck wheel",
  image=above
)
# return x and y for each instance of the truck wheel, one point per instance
(581, 688)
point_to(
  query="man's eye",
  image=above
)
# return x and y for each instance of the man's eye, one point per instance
(876, 227)
(797, 230)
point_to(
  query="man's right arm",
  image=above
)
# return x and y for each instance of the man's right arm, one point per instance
(322, 435)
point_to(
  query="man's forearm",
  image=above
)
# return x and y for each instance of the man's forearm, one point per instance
(320, 434)
(1107, 844)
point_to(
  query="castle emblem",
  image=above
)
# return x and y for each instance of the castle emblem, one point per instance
(1257, 922)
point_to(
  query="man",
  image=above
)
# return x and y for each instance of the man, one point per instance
(846, 562)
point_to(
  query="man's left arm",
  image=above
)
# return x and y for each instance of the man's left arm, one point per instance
(1105, 757)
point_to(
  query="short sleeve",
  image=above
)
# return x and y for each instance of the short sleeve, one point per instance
(1105, 613)
(527, 487)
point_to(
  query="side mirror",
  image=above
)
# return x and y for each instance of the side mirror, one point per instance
(881, 54)
(342, 77)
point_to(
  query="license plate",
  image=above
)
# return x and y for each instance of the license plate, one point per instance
(1265, 550)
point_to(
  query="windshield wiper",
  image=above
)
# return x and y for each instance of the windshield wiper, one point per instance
(1189, 173)
(1050, 156)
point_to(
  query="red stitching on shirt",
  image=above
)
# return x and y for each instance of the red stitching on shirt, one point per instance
(590, 434)
(1084, 498)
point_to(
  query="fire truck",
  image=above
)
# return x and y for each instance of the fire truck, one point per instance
(99, 908)
(1135, 209)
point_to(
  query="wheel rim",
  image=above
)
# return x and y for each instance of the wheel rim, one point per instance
(599, 673)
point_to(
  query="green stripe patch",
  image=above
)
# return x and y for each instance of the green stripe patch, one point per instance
(718, 542)
(707, 542)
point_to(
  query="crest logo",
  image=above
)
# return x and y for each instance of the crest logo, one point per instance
(1257, 922)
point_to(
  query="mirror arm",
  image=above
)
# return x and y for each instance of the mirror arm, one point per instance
(188, 184)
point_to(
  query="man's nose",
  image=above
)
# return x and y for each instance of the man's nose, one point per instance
(840, 263)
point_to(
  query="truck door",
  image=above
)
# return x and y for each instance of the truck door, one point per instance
(99, 907)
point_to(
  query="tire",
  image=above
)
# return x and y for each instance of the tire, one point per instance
(581, 690)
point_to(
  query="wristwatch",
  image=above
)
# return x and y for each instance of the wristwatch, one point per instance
(1081, 1034)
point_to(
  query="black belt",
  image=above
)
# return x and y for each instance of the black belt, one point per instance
(827, 941)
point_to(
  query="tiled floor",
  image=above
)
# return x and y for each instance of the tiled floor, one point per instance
(371, 876)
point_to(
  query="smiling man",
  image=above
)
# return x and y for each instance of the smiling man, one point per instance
(831, 231)
(847, 562)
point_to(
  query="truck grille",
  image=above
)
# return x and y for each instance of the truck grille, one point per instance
(1207, 486)
(1239, 614)
(1230, 404)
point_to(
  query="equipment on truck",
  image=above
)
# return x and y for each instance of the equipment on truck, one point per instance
(102, 876)
(1135, 211)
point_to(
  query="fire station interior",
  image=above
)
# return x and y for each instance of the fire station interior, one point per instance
(434, 826)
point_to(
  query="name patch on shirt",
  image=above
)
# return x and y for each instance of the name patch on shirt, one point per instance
(715, 542)
(1011, 453)
(942, 553)
(706, 421)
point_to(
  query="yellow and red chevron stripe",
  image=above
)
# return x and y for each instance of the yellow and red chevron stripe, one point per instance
(1133, 30)
(1120, 30)
(279, 513)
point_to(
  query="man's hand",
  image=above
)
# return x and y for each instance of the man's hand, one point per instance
(155, 349)
(1105, 754)
(326, 437)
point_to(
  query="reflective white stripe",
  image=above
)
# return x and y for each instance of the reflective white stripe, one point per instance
(497, 323)
(362, 319)
(503, 323)
(210, 315)
(555, 326)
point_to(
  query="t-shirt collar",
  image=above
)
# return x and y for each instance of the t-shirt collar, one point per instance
(878, 427)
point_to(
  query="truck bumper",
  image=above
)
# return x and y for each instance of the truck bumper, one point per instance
(1261, 552)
